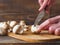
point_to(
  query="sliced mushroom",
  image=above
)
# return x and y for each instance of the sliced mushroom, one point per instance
(20, 31)
(22, 23)
(26, 28)
(16, 28)
(11, 25)
(34, 29)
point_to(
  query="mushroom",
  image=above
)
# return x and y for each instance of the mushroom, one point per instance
(11, 25)
(34, 29)
(22, 23)
(26, 28)
(16, 28)
(3, 31)
(3, 28)
(20, 28)
(20, 31)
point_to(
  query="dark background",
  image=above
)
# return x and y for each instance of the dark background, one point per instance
(23, 10)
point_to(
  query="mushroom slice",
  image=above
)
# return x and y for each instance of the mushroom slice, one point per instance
(26, 28)
(11, 25)
(22, 23)
(34, 29)
(20, 32)
(16, 28)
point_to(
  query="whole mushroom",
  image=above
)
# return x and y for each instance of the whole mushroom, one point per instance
(16, 28)
(3, 28)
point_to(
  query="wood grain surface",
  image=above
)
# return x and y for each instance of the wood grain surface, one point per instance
(44, 36)
(18, 10)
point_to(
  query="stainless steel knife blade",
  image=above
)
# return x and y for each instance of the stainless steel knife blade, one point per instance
(39, 17)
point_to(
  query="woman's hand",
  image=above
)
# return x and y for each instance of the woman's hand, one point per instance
(52, 24)
(45, 4)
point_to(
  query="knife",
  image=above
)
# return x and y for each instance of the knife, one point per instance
(39, 17)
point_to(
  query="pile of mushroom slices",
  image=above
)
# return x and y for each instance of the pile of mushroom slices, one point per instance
(13, 26)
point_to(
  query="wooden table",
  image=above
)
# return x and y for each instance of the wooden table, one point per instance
(11, 41)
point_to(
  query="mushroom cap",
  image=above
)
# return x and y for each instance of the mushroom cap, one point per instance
(12, 23)
(3, 25)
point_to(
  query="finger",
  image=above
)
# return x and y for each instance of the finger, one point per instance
(47, 10)
(54, 19)
(49, 5)
(51, 2)
(47, 27)
(43, 5)
(53, 27)
(44, 25)
(40, 2)
(48, 22)
(57, 31)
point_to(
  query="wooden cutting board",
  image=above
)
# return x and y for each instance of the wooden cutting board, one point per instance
(29, 37)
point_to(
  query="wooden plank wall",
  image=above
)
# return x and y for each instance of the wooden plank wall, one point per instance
(22, 10)
(18, 10)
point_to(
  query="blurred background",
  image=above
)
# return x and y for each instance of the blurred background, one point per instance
(23, 10)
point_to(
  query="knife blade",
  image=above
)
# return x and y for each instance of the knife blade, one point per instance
(39, 17)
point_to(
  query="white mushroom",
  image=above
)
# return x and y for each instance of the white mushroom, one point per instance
(3, 25)
(34, 28)
(3, 28)
(16, 28)
(26, 28)
(11, 25)
(22, 23)
(20, 28)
